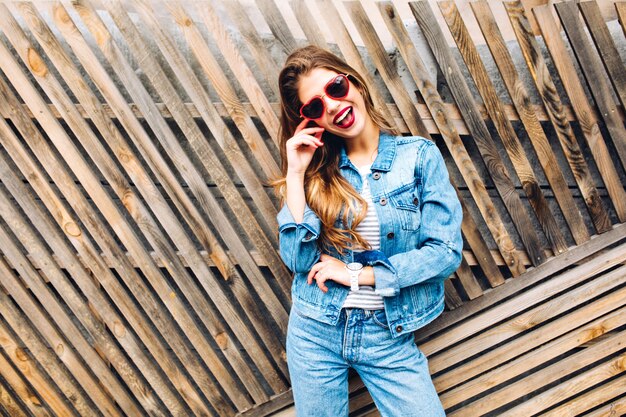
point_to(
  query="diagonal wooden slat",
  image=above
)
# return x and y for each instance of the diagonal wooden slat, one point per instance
(307, 22)
(68, 342)
(351, 53)
(50, 361)
(547, 350)
(606, 47)
(389, 75)
(426, 20)
(522, 102)
(582, 108)
(509, 138)
(547, 90)
(21, 384)
(179, 157)
(620, 7)
(45, 155)
(239, 67)
(141, 214)
(596, 79)
(278, 25)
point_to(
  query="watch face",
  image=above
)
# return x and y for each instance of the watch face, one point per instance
(354, 266)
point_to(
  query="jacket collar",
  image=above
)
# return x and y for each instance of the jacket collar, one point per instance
(386, 153)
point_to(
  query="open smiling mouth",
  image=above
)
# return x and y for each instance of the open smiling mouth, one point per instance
(345, 118)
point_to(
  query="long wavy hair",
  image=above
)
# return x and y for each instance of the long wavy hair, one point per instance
(327, 192)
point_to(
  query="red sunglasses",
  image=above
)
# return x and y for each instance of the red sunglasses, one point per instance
(337, 88)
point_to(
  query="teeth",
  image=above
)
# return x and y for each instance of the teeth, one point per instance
(343, 116)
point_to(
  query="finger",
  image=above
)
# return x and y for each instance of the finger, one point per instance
(311, 131)
(324, 257)
(308, 141)
(301, 125)
(321, 285)
(313, 271)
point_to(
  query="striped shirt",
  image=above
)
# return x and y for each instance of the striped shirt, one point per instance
(369, 229)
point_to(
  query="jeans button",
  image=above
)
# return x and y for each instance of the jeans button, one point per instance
(415, 201)
(398, 329)
(382, 201)
(376, 175)
(390, 235)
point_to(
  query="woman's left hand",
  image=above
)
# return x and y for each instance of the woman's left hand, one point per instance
(328, 268)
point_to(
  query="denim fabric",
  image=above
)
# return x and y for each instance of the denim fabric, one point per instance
(394, 370)
(420, 237)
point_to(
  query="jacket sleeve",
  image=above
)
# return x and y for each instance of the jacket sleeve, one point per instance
(298, 241)
(440, 243)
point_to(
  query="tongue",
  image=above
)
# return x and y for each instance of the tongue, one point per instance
(346, 119)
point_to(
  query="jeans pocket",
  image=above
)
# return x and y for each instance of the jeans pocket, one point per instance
(380, 318)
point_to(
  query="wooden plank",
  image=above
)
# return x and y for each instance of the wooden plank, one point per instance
(180, 198)
(459, 154)
(257, 48)
(209, 114)
(111, 212)
(8, 404)
(82, 275)
(606, 47)
(548, 92)
(139, 212)
(236, 63)
(614, 408)
(65, 340)
(620, 7)
(509, 138)
(530, 350)
(67, 328)
(183, 163)
(22, 388)
(477, 323)
(351, 54)
(596, 78)
(553, 373)
(265, 243)
(307, 23)
(452, 297)
(50, 360)
(65, 182)
(521, 99)
(101, 339)
(591, 399)
(277, 24)
(232, 150)
(575, 385)
(532, 277)
(386, 68)
(451, 71)
(582, 108)
(510, 327)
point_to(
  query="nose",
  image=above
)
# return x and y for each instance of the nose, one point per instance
(331, 104)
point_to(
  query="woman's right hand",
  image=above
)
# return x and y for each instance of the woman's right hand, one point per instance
(301, 147)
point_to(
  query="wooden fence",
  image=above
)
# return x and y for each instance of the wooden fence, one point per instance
(139, 271)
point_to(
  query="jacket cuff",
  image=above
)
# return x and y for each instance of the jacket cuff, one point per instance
(310, 221)
(386, 283)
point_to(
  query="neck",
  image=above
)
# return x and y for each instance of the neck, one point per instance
(366, 143)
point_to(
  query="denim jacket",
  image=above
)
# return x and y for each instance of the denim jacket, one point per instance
(420, 237)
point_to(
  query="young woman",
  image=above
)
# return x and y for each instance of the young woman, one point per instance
(371, 229)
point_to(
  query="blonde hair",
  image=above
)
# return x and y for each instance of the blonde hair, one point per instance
(327, 192)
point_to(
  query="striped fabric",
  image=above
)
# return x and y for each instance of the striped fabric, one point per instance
(369, 229)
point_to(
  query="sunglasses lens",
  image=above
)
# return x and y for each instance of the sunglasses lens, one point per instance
(338, 88)
(313, 109)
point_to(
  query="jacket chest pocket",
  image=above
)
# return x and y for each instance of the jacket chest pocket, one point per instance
(407, 205)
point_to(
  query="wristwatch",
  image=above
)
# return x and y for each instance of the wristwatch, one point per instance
(354, 269)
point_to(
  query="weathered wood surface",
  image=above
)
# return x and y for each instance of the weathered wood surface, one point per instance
(139, 266)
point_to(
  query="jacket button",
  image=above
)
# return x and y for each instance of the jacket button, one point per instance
(390, 235)
(382, 201)
(398, 329)
(415, 201)
(376, 175)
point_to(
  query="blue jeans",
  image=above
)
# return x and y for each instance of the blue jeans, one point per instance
(394, 370)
